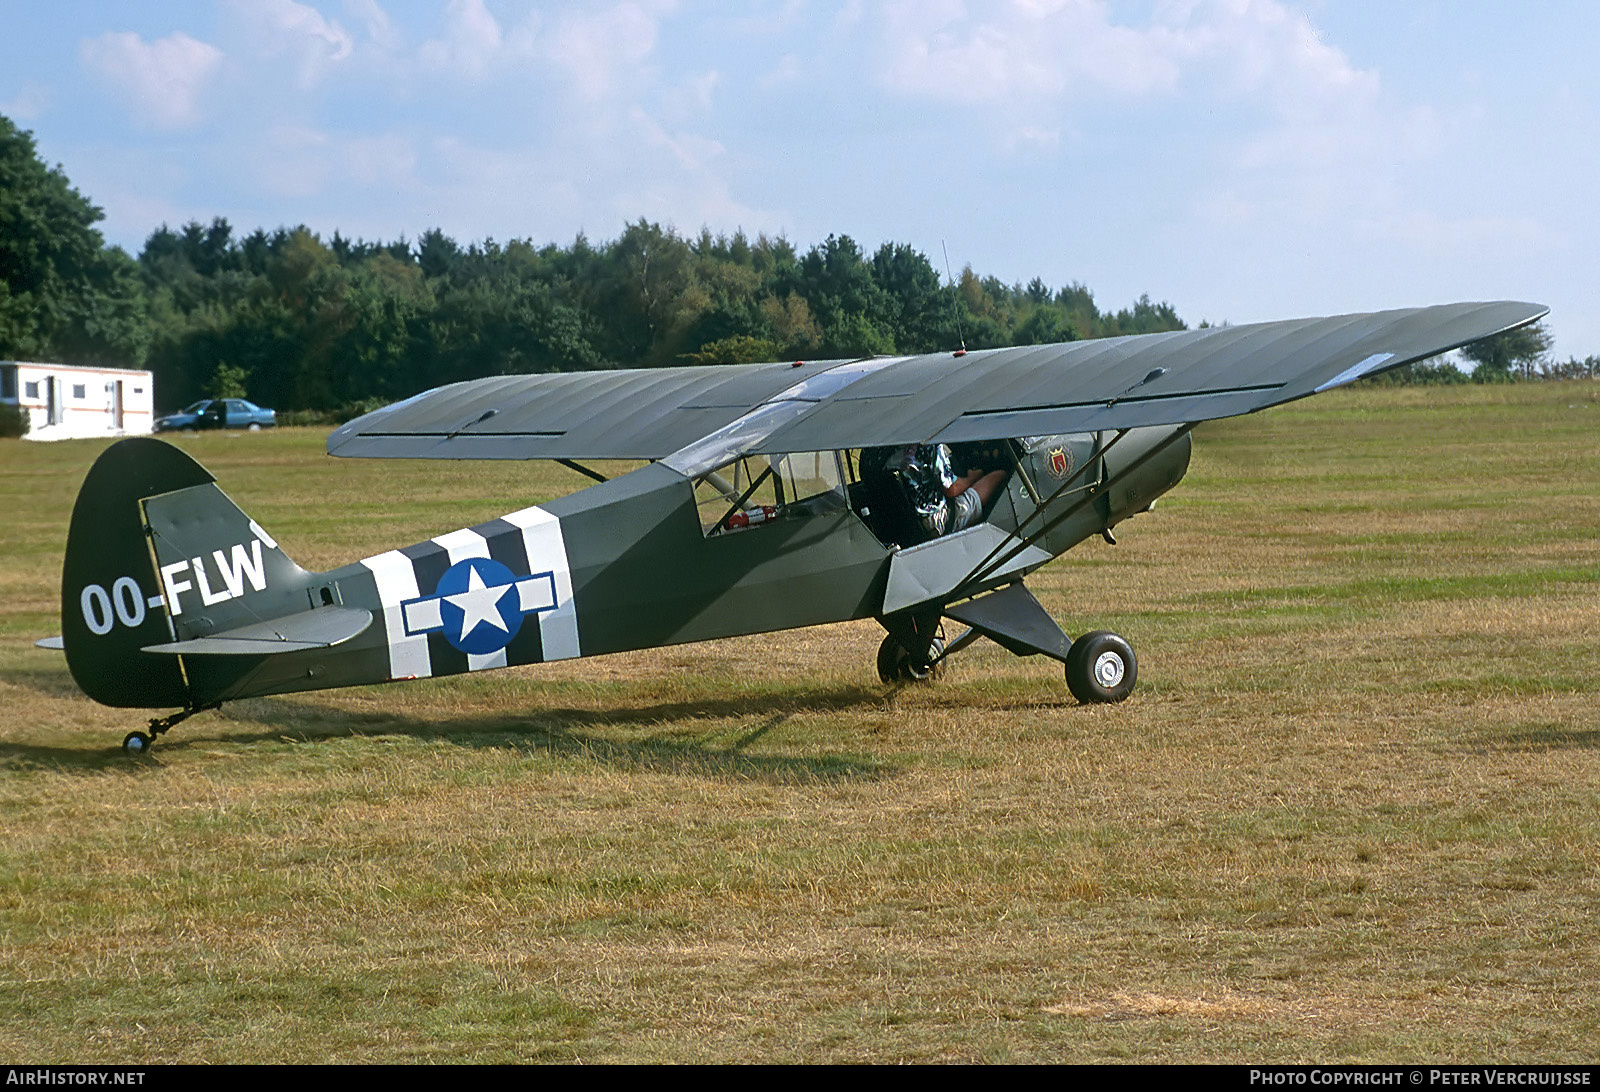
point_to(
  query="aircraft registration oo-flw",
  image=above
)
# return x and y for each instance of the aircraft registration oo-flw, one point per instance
(908, 489)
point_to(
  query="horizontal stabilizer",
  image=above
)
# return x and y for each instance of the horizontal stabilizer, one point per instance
(51, 642)
(319, 628)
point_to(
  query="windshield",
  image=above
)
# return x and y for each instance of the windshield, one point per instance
(740, 435)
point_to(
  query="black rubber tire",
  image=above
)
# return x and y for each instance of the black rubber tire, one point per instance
(137, 744)
(895, 664)
(1101, 668)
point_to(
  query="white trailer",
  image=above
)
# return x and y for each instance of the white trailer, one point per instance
(70, 401)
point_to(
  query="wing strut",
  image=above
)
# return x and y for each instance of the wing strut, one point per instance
(1097, 458)
(581, 469)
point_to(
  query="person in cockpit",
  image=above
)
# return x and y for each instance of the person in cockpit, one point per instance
(944, 501)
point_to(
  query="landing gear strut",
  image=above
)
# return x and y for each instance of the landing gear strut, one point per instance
(1100, 666)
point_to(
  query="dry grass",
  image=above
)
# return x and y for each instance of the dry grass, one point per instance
(1350, 815)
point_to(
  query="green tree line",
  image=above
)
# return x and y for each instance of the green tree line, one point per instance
(314, 324)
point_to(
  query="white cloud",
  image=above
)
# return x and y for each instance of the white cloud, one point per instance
(1303, 134)
(376, 22)
(589, 52)
(293, 162)
(1265, 54)
(378, 160)
(1328, 146)
(165, 81)
(471, 42)
(597, 51)
(676, 177)
(1470, 239)
(691, 98)
(786, 71)
(300, 162)
(295, 20)
(1035, 137)
(473, 192)
(692, 152)
(1056, 53)
(1021, 51)
(29, 102)
(588, 181)
(284, 26)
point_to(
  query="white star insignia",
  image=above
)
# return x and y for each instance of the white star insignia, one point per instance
(480, 604)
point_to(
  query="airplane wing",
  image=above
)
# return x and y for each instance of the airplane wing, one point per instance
(625, 414)
(1084, 386)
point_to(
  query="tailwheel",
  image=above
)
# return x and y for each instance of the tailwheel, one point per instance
(139, 743)
(896, 665)
(1101, 667)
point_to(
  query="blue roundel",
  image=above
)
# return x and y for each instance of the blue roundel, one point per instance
(480, 605)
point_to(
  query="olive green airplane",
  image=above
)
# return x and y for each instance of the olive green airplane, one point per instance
(772, 496)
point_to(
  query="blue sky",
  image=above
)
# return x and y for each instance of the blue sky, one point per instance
(1242, 159)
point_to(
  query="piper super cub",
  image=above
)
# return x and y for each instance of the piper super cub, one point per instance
(909, 489)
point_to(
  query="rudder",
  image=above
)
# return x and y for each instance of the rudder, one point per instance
(157, 554)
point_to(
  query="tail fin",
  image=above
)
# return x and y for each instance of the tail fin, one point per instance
(158, 554)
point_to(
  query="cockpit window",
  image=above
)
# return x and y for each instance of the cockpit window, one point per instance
(758, 489)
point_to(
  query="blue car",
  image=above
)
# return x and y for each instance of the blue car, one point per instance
(218, 413)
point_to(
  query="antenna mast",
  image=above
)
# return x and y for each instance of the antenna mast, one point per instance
(962, 338)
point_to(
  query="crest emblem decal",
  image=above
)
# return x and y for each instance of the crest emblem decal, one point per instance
(1060, 461)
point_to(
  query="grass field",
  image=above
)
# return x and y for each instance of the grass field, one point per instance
(1352, 813)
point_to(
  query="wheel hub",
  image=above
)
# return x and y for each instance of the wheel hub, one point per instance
(1108, 669)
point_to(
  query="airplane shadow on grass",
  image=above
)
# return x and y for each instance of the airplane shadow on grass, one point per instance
(560, 732)
(580, 733)
(1551, 738)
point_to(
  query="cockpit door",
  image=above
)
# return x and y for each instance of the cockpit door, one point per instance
(934, 570)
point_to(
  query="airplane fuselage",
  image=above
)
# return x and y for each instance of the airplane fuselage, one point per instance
(622, 565)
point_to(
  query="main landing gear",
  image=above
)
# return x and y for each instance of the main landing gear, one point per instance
(897, 664)
(1100, 666)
